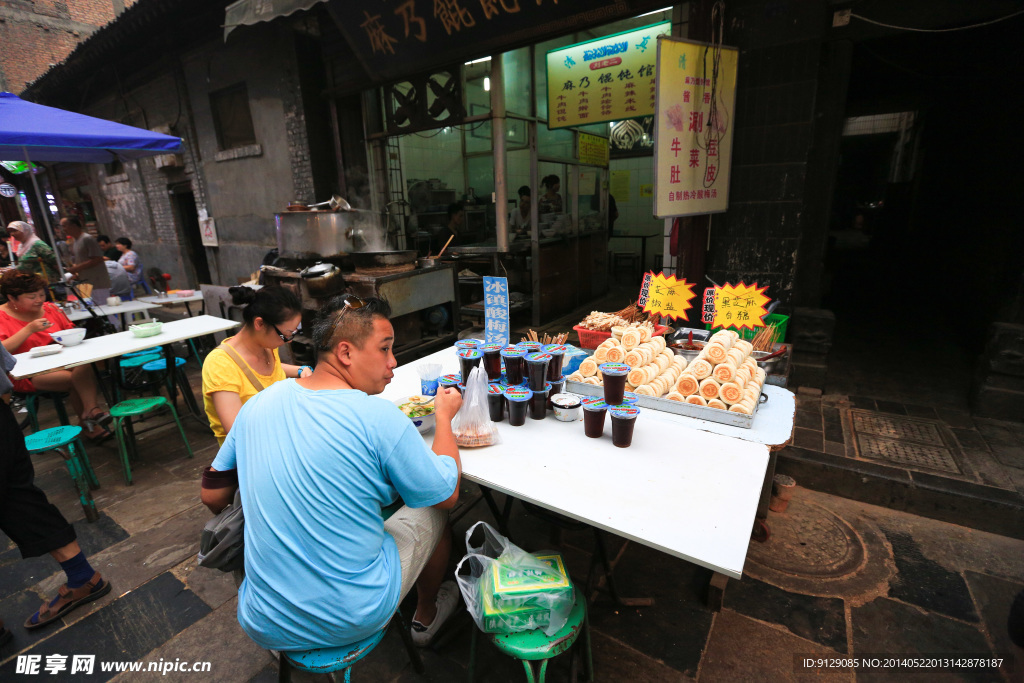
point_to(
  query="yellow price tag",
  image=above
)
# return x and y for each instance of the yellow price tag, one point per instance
(740, 306)
(667, 296)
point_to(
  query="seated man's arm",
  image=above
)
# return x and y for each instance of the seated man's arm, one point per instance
(220, 480)
(446, 405)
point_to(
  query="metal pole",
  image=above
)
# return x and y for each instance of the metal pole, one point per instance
(498, 143)
(46, 216)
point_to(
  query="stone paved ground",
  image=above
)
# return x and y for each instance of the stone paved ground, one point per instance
(837, 577)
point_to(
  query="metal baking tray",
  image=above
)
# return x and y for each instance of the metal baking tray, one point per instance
(677, 407)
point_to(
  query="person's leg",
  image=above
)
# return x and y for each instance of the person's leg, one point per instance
(430, 580)
(80, 383)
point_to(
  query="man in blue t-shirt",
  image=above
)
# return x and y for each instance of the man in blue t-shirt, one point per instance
(316, 459)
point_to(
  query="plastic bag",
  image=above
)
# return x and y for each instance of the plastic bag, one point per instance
(508, 590)
(472, 425)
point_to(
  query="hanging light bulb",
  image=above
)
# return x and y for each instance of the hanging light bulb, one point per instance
(487, 82)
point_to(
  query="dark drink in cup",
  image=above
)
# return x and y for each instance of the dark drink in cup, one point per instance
(556, 388)
(537, 370)
(539, 402)
(492, 361)
(468, 344)
(614, 377)
(594, 410)
(629, 398)
(530, 346)
(449, 381)
(469, 359)
(514, 364)
(557, 352)
(496, 402)
(623, 421)
(518, 399)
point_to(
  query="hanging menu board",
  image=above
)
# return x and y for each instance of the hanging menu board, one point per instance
(608, 79)
(693, 128)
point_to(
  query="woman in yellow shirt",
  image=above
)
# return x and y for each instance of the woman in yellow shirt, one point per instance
(272, 316)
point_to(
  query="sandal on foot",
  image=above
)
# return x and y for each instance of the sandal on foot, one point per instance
(100, 436)
(68, 599)
(100, 417)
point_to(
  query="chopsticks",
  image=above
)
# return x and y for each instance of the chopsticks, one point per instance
(547, 338)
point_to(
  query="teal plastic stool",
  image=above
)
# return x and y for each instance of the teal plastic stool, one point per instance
(75, 457)
(333, 660)
(136, 407)
(532, 646)
(143, 352)
(132, 373)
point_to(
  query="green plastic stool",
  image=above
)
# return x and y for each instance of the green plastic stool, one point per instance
(136, 407)
(32, 406)
(531, 646)
(75, 457)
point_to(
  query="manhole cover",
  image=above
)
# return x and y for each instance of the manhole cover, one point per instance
(907, 453)
(896, 428)
(809, 541)
(903, 441)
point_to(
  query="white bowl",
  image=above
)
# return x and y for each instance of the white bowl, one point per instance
(424, 423)
(69, 337)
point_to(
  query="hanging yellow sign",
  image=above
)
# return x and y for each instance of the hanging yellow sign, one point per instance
(693, 127)
(740, 306)
(607, 79)
(665, 295)
(593, 150)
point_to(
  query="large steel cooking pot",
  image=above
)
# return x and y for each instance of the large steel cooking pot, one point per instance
(382, 259)
(323, 280)
(313, 235)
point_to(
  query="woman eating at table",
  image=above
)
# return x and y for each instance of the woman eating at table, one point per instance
(25, 321)
(249, 362)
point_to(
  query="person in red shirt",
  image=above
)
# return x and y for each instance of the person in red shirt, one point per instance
(25, 323)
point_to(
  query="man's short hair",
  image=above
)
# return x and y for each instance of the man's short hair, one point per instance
(102, 238)
(455, 208)
(74, 220)
(524, 191)
(339, 321)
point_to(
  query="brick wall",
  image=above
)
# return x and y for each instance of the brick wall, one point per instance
(36, 34)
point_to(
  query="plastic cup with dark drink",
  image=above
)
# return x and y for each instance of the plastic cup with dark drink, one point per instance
(518, 399)
(469, 359)
(537, 370)
(629, 398)
(449, 381)
(614, 377)
(556, 388)
(594, 410)
(492, 361)
(514, 364)
(557, 352)
(530, 346)
(539, 402)
(469, 344)
(623, 421)
(496, 402)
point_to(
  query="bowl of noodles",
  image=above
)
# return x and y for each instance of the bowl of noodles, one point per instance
(422, 416)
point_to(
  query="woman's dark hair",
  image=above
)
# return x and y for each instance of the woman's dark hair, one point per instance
(102, 238)
(274, 304)
(550, 181)
(524, 191)
(16, 283)
(125, 241)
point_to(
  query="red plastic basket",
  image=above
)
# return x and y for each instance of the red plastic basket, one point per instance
(591, 339)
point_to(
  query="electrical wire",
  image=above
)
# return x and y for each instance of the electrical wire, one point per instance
(937, 30)
(718, 122)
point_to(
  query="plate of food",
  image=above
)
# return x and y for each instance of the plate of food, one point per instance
(417, 410)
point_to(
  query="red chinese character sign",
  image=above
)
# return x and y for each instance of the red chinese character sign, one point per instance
(696, 100)
(735, 306)
(665, 295)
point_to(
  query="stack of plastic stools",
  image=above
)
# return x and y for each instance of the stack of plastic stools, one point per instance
(137, 407)
(75, 457)
(180, 378)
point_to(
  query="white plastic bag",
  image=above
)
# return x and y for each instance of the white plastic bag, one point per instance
(472, 425)
(508, 590)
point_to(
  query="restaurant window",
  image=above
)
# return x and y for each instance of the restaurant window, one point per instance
(232, 119)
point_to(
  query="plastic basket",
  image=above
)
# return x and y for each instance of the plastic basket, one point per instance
(780, 321)
(591, 339)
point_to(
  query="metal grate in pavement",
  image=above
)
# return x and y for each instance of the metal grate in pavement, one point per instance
(897, 428)
(907, 453)
(905, 441)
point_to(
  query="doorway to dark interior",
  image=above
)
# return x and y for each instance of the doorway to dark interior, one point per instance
(187, 217)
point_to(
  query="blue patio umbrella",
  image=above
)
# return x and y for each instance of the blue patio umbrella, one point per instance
(34, 132)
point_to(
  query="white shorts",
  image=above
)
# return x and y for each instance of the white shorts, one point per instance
(416, 531)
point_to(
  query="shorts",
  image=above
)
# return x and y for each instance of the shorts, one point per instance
(416, 531)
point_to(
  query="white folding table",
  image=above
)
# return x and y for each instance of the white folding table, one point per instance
(174, 300)
(681, 487)
(122, 310)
